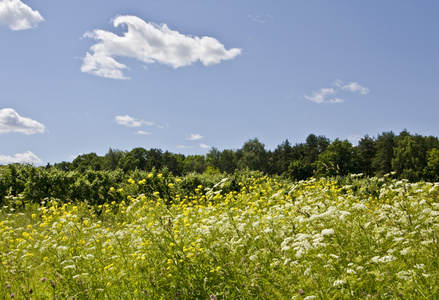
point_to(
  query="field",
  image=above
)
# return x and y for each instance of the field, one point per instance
(339, 238)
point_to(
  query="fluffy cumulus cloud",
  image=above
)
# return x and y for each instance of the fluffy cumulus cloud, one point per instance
(11, 121)
(195, 137)
(131, 122)
(27, 157)
(18, 16)
(328, 95)
(149, 43)
(321, 96)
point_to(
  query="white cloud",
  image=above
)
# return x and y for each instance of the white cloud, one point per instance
(355, 87)
(11, 121)
(259, 19)
(131, 122)
(184, 147)
(27, 157)
(149, 43)
(195, 137)
(324, 95)
(141, 132)
(204, 146)
(256, 18)
(18, 16)
(321, 95)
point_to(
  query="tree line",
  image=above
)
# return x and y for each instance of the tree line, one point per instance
(410, 156)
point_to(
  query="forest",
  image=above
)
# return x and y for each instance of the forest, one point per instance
(411, 156)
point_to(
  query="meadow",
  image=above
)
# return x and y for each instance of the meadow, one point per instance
(267, 238)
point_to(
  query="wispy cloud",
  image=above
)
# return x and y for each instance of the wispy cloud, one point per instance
(258, 19)
(27, 157)
(141, 132)
(11, 121)
(149, 43)
(18, 16)
(355, 87)
(131, 122)
(194, 137)
(204, 146)
(328, 95)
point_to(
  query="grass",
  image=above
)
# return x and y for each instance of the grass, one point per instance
(340, 238)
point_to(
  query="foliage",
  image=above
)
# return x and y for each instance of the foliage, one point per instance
(405, 154)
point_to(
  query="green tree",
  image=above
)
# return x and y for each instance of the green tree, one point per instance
(111, 159)
(253, 156)
(407, 161)
(300, 169)
(90, 161)
(340, 158)
(282, 157)
(174, 162)
(194, 163)
(153, 159)
(213, 158)
(135, 159)
(384, 144)
(431, 172)
(227, 161)
(367, 151)
(314, 146)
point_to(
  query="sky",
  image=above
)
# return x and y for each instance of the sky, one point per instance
(85, 76)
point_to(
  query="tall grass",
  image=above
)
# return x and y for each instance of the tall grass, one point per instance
(340, 238)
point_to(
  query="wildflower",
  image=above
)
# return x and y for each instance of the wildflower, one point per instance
(301, 292)
(328, 232)
(8, 286)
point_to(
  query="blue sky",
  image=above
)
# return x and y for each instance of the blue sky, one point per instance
(85, 76)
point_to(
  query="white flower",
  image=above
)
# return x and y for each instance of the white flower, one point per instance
(338, 282)
(328, 232)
